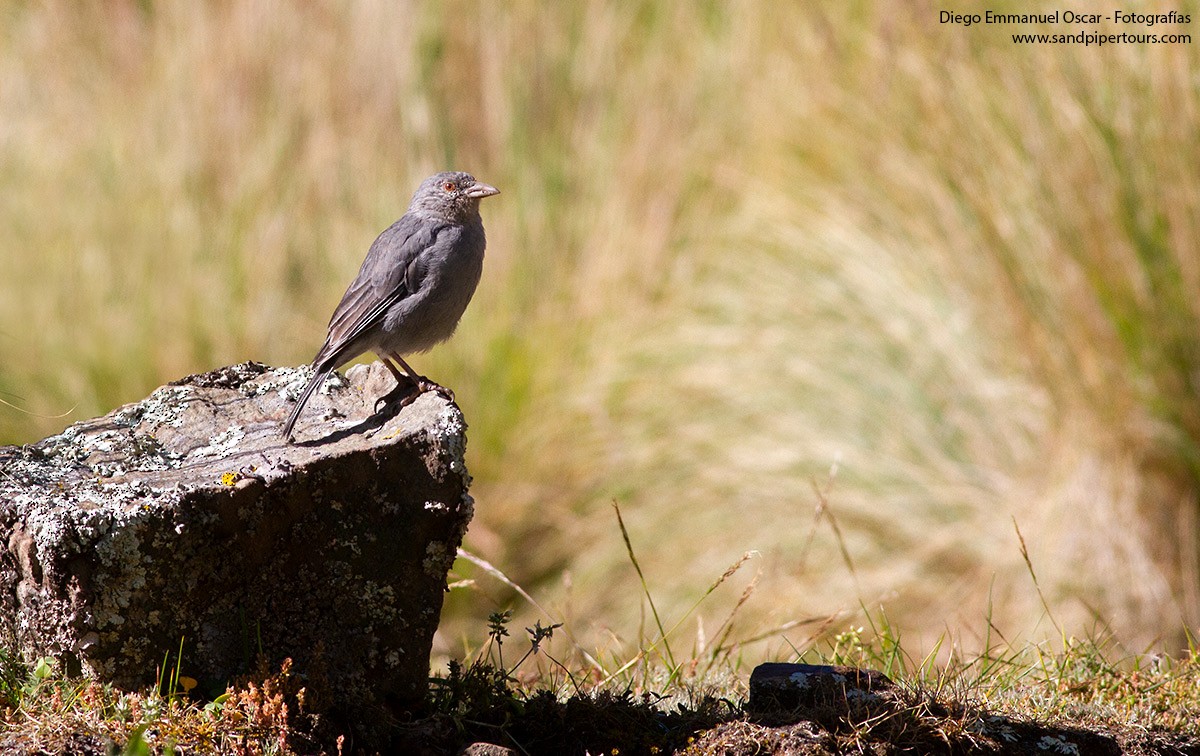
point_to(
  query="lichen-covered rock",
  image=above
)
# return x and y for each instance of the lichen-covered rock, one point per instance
(185, 519)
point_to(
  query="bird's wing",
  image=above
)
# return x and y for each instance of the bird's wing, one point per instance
(392, 271)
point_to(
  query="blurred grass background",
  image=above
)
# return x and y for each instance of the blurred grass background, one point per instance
(744, 253)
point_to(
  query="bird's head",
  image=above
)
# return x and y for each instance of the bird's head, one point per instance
(452, 196)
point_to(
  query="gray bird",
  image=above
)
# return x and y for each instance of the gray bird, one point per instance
(413, 287)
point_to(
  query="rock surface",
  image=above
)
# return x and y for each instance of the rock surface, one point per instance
(847, 690)
(185, 519)
(813, 709)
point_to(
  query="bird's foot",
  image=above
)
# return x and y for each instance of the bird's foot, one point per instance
(400, 397)
(405, 394)
(424, 384)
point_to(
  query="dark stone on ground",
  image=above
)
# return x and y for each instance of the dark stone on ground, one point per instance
(847, 691)
(185, 519)
(804, 708)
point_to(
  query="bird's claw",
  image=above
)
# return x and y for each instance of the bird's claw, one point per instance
(424, 384)
(405, 394)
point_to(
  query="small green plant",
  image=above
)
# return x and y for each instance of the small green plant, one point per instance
(486, 687)
(137, 745)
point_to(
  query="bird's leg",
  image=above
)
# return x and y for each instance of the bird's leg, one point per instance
(420, 381)
(402, 378)
(404, 390)
(409, 384)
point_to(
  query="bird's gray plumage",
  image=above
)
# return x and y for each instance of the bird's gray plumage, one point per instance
(414, 284)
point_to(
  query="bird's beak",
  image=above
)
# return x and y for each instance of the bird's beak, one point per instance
(480, 190)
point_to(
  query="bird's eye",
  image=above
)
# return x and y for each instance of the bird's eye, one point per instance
(449, 186)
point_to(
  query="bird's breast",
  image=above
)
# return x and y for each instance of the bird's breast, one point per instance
(431, 314)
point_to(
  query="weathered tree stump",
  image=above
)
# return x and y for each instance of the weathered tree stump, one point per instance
(185, 519)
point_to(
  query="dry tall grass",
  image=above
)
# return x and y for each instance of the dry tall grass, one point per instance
(738, 245)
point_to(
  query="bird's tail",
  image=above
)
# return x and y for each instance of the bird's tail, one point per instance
(314, 384)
